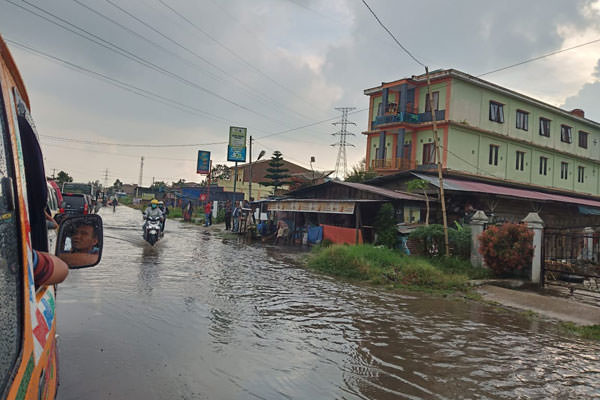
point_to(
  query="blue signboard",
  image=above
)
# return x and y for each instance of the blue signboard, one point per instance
(236, 154)
(203, 162)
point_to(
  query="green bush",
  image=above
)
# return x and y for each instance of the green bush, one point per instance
(220, 216)
(385, 226)
(430, 238)
(379, 265)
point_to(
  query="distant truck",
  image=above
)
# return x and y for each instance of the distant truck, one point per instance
(80, 188)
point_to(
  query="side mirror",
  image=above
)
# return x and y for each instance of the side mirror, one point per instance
(80, 240)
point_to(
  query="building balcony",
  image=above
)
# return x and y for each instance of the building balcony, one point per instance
(407, 117)
(396, 164)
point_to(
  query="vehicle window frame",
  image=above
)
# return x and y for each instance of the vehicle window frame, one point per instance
(5, 381)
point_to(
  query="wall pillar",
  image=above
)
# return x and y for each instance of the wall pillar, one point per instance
(588, 252)
(536, 224)
(477, 223)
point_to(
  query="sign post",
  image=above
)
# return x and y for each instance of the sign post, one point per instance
(236, 151)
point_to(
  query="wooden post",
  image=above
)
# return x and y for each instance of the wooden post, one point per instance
(357, 221)
(438, 158)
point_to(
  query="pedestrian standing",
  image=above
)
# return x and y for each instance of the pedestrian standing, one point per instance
(236, 217)
(228, 215)
(207, 214)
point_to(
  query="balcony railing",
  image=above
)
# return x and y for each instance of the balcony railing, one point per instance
(400, 164)
(408, 117)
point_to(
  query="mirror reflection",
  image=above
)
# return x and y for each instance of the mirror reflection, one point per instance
(80, 242)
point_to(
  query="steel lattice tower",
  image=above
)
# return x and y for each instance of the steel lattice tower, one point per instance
(341, 163)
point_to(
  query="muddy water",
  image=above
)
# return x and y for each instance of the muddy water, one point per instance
(201, 317)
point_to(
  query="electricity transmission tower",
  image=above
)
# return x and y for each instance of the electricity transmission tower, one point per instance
(341, 166)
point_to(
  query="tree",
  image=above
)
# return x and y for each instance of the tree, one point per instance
(360, 173)
(63, 177)
(180, 182)
(220, 171)
(420, 185)
(385, 226)
(276, 173)
(118, 184)
(158, 185)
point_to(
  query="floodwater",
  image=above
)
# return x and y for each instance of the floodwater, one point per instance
(203, 317)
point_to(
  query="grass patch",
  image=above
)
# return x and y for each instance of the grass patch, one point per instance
(383, 266)
(587, 332)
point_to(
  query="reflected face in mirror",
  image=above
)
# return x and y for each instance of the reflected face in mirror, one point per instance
(81, 241)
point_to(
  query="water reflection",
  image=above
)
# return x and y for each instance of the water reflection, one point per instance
(232, 321)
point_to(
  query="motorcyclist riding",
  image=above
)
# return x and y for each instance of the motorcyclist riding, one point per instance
(152, 211)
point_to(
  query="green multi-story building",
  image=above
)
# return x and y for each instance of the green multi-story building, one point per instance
(485, 130)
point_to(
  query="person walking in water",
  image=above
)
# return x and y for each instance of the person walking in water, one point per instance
(207, 214)
(236, 217)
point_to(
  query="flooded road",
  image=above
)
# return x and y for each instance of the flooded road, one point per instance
(202, 317)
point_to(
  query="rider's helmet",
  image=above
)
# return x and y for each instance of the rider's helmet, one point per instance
(154, 203)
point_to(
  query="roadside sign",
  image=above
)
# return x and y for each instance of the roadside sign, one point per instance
(236, 154)
(203, 197)
(203, 166)
(236, 151)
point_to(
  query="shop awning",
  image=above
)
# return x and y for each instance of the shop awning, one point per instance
(488, 188)
(316, 206)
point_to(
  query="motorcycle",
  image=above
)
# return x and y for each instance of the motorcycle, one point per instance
(152, 231)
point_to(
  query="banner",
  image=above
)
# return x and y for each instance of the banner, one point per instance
(236, 151)
(203, 166)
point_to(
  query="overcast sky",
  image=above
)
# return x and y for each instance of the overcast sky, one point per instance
(269, 65)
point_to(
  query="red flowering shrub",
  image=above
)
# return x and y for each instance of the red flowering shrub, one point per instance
(506, 248)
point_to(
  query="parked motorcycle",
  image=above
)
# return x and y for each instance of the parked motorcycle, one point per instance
(152, 231)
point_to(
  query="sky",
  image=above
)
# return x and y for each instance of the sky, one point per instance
(181, 72)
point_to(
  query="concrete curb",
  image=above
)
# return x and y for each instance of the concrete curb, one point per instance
(558, 308)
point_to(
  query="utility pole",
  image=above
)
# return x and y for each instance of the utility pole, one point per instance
(250, 172)
(438, 159)
(106, 178)
(341, 162)
(53, 173)
(141, 172)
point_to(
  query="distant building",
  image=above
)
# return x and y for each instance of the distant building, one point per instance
(485, 130)
(259, 170)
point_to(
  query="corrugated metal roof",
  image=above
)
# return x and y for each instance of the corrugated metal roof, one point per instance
(392, 194)
(480, 187)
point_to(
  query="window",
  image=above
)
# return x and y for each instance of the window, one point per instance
(493, 156)
(522, 120)
(543, 166)
(580, 174)
(565, 134)
(428, 153)
(436, 101)
(10, 268)
(583, 139)
(544, 127)
(496, 112)
(520, 160)
(564, 170)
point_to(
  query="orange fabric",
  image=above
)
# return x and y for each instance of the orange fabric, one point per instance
(341, 235)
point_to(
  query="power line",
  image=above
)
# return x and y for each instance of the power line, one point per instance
(235, 54)
(392, 35)
(120, 84)
(130, 144)
(187, 49)
(125, 53)
(539, 57)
